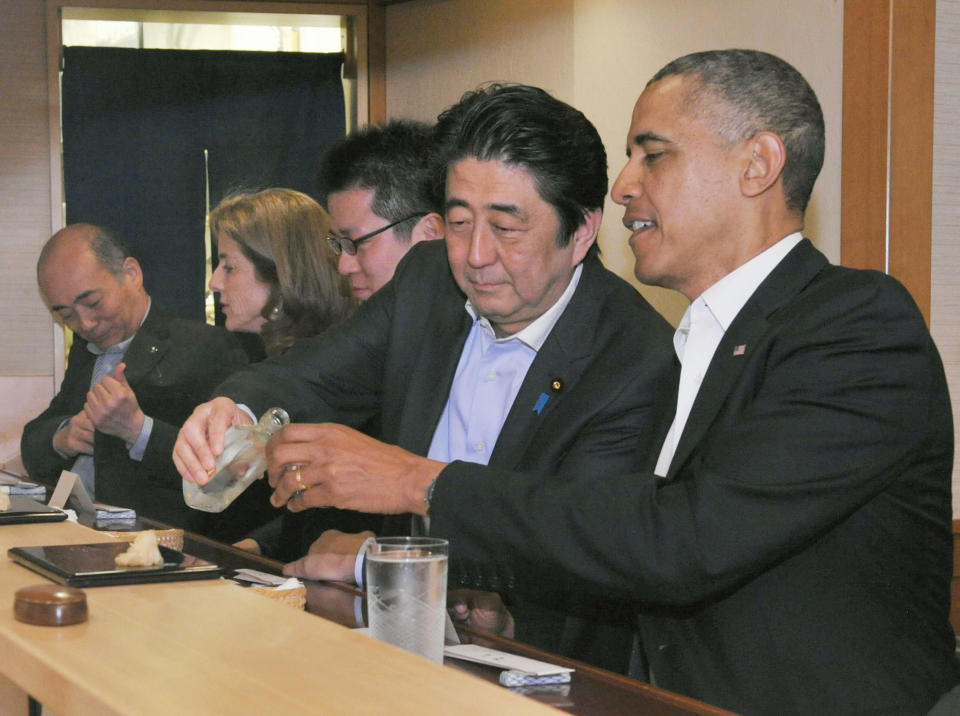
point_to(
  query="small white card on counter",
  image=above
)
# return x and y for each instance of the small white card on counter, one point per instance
(502, 660)
(70, 484)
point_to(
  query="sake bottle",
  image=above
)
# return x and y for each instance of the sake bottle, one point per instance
(242, 461)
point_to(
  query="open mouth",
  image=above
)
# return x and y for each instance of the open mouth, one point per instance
(639, 224)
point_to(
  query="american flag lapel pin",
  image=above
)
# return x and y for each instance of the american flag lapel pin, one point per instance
(740, 350)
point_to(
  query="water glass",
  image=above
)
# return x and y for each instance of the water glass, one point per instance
(407, 593)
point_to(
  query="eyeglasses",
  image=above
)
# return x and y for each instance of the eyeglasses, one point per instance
(342, 243)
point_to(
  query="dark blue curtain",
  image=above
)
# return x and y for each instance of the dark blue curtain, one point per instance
(135, 127)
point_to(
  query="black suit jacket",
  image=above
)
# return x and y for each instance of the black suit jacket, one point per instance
(172, 365)
(797, 560)
(394, 360)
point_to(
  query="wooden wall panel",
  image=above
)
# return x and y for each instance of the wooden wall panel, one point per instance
(887, 182)
(27, 348)
(377, 58)
(863, 184)
(911, 145)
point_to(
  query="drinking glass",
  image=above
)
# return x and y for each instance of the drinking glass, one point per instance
(407, 593)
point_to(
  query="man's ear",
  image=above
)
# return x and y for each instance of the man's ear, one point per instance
(429, 227)
(132, 270)
(765, 159)
(586, 234)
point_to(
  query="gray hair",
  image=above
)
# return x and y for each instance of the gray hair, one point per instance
(760, 92)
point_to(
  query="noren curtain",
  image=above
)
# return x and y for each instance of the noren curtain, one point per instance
(135, 127)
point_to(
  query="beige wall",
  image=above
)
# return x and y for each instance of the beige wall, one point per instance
(945, 273)
(597, 55)
(26, 353)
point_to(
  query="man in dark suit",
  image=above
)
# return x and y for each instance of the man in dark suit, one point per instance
(378, 191)
(507, 345)
(117, 432)
(791, 551)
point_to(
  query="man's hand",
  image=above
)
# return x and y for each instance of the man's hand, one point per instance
(480, 610)
(76, 436)
(331, 557)
(112, 407)
(201, 438)
(248, 544)
(319, 465)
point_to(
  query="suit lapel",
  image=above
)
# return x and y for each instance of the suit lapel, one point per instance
(744, 335)
(82, 361)
(554, 372)
(431, 380)
(148, 347)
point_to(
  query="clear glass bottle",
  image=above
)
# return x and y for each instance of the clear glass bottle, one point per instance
(242, 461)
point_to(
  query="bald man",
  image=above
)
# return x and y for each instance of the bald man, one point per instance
(133, 375)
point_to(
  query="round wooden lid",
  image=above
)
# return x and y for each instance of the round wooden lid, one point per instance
(50, 605)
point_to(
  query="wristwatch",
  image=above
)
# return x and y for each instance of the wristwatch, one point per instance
(428, 497)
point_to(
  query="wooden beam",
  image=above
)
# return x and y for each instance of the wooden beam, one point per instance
(377, 56)
(863, 183)
(911, 146)
(887, 153)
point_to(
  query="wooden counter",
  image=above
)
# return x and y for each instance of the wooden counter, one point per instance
(591, 692)
(212, 647)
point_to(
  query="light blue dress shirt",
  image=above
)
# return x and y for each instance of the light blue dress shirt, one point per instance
(107, 361)
(488, 378)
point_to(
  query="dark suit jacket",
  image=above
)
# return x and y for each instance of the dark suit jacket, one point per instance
(797, 560)
(172, 365)
(395, 359)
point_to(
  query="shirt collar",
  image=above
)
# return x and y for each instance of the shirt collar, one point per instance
(727, 296)
(536, 333)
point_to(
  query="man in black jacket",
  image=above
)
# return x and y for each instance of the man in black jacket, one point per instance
(790, 552)
(507, 345)
(117, 430)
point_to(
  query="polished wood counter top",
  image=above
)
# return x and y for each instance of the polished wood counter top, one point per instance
(211, 647)
(592, 691)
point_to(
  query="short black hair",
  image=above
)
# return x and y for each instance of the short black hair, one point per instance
(526, 127)
(389, 159)
(762, 93)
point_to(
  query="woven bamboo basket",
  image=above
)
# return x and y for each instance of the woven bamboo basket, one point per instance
(172, 539)
(296, 598)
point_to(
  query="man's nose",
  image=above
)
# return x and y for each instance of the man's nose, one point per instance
(347, 264)
(86, 321)
(483, 249)
(627, 184)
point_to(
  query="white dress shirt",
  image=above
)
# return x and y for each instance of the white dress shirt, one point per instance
(702, 327)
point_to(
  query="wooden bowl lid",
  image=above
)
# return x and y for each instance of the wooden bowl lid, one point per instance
(50, 605)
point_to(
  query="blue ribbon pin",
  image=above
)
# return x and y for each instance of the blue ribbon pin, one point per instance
(541, 401)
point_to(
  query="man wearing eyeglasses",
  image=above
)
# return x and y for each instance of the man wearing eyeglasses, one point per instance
(376, 186)
(507, 344)
(378, 192)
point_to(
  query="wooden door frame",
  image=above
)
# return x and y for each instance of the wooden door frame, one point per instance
(887, 155)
